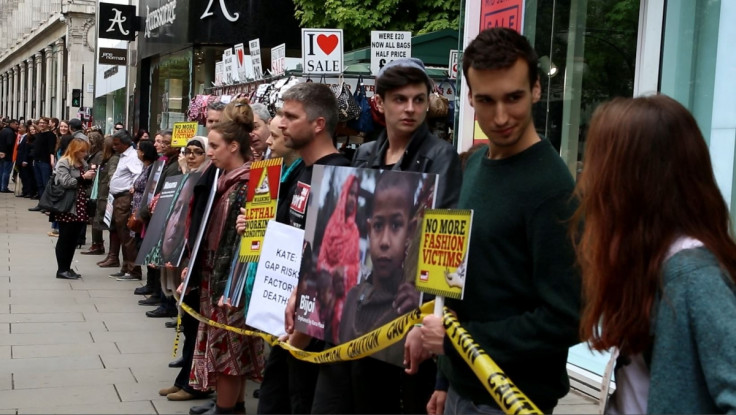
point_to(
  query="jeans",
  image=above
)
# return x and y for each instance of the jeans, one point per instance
(42, 172)
(456, 404)
(6, 170)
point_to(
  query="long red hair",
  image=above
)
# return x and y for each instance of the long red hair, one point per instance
(647, 180)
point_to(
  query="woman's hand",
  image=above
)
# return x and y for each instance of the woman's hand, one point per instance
(88, 175)
(240, 222)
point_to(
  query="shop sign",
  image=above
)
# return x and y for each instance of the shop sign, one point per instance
(117, 21)
(219, 73)
(502, 13)
(233, 17)
(157, 18)
(278, 60)
(387, 46)
(452, 67)
(255, 55)
(182, 133)
(110, 72)
(240, 61)
(113, 56)
(322, 51)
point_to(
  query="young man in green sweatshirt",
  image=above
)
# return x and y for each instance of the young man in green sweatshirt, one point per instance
(522, 293)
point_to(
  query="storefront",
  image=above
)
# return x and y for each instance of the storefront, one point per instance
(592, 51)
(181, 41)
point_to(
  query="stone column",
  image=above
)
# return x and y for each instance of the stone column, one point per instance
(59, 109)
(39, 83)
(29, 89)
(21, 90)
(3, 94)
(48, 54)
(13, 93)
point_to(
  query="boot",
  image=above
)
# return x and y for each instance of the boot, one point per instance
(111, 261)
(97, 248)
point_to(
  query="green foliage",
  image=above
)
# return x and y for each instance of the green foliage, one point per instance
(358, 17)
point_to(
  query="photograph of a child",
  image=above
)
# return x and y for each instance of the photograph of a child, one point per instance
(361, 228)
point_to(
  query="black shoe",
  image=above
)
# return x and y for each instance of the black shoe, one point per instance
(161, 312)
(78, 275)
(170, 324)
(177, 363)
(117, 274)
(66, 275)
(35, 197)
(257, 393)
(200, 409)
(6, 191)
(150, 301)
(144, 290)
(35, 209)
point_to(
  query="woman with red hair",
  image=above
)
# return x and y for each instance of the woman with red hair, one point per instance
(658, 259)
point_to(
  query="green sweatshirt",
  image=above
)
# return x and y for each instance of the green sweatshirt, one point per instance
(522, 295)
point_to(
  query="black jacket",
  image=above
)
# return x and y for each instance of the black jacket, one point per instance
(425, 154)
(7, 142)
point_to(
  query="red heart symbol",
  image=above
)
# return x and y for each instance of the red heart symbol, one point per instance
(327, 43)
(241, 58)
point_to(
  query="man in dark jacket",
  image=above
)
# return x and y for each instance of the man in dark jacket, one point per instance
(7, 145)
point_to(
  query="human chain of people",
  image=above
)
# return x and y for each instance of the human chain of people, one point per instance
(401, 276)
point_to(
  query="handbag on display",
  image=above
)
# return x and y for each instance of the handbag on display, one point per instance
(364, 122)
(57, 199)
(347, 108)
(439, 106)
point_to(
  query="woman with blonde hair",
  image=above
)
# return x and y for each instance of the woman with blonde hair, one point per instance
(72, 173)
(658, 259)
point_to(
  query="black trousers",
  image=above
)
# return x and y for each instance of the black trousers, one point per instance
(67, 244)
(288, 383)
(189, 328)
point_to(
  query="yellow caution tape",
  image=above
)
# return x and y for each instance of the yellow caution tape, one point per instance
(178, 335)
(358, 348)
(508, 397)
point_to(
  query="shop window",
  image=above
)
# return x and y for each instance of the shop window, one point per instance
(170, 78)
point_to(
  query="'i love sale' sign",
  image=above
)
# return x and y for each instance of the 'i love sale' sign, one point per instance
(322, 51)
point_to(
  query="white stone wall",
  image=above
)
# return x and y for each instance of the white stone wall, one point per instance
(43, 44)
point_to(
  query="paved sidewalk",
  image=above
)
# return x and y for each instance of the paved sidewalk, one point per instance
(86, 346)
(82, 346)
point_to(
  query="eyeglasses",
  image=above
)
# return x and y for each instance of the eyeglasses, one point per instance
(188, 152)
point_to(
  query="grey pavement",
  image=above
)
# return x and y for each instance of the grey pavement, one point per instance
(86, 346)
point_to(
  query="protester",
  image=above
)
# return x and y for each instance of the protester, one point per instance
(128, 169)
(223, 359)
(24, 163)
(44, 150)
(658, 272)
(308, 123)
(141, 135)
(402, 89)
(95, 158)
(291, 169)
(160, 278)
(72, 173)
(106, 169)
(214, 114)
(520, 259)
(7, 147)
(259, 136)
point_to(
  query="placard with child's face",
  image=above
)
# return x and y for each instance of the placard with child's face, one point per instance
(361, 250)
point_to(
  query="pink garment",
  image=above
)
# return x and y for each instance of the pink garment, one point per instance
(341, 241)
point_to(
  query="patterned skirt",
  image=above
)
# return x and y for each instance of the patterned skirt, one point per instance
(219, 351)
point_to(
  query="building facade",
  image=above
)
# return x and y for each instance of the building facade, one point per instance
(44, 46)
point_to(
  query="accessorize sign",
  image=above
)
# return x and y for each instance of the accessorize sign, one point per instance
(322, 51)
(159, 17)
(387, 46)
(117, 21)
